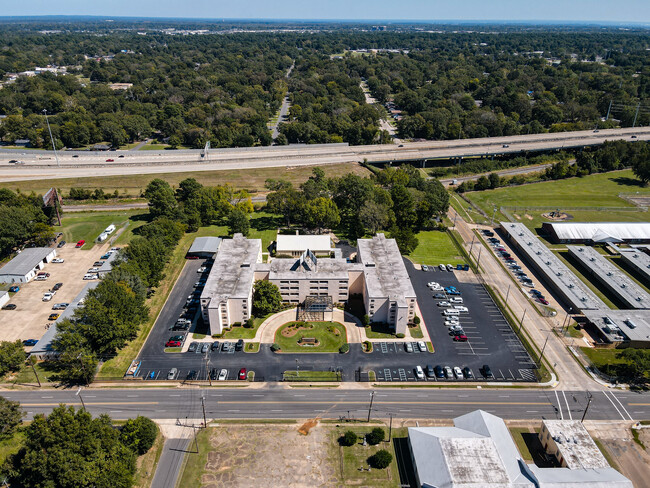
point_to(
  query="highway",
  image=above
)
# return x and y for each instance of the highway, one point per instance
(42, 164)
(282, 401)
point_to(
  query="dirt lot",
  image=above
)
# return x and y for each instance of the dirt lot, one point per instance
(29, 319)
(632, 460)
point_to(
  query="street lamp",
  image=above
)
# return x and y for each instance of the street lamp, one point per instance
(297, 368)
(493, 215)
(51, 137)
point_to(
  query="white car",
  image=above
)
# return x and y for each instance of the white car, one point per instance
(450, 321)
(425, 267)
(48, 296)
(433, 284)
(419, 373)
(460, 308)
(40, 278)
(450, 267)
(444, 304)
(223, 374)
(442, 267)
(58, 260)
(456, 328)
(456, 300)
(201, 270)
(90, 276)
(529, 285)
(93, 270)
(458, 372)
(422, 346)
(436, 288)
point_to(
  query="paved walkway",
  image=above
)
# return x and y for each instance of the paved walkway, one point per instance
(178, 442)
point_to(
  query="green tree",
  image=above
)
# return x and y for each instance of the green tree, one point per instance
(375, 216)
(638, 362)
(12, 356)
(376, 436)
(70, 449)
(11, 416)
(162, 202)
(238, 222)
(139, 434)
(403, 206)
(266, 298)
(381, 459)
(348, 439)
(405, 239)
(641, 168)
(321, 213)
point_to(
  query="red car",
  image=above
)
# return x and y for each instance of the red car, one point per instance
(242, 374)
(80, 243)
(460, 338)
(173, 344)
(544, 301)
(110, 160)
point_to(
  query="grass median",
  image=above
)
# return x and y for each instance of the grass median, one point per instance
(311, 337)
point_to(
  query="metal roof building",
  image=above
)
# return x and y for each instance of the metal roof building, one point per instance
(639, 261)
(611, 277)
(479, 452)
(4, 298)
(295, 245)
(26, 264)
(616, 326)
(204, 247)
(560, 278)
(43, 347)
(597, 232)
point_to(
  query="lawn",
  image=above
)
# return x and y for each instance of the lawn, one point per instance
(436, 247)
(467, 211)
(378, 331)
(26, 374)
(323, 332)
(12, 445)
(147, 463)
(241, 332)
(601, 358)
(297, 375)
(88, 225)
(517, 434)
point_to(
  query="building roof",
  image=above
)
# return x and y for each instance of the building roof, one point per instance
(611, 276)
(599, 231)
(233, 270)
(205, 244)
(579, 296)
(384, 269)
(639, 260)
(621, 325)
(44, 345)
(108, 264)
(297, 242)
(298, 268)
(26, 261)
(575, 444)
(3, 293)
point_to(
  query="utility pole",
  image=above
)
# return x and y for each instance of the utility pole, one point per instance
(522, 320)
(83, 405)
(390, 426)
(636, 114)
(471, 246)
(478, 260)
(372, 397)
(196, 443)
(56, 156)
(205, 422)
(587, 407)
(207, 369)
(297, 368)
(541, 354)
(31, 362)
(610, 107)
(493, 215)
(507, 294)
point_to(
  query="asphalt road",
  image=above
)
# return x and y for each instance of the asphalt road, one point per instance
(284, 402)
(41, 164)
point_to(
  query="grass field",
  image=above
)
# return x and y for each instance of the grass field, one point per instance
(88, 225)
(435, 247)
(241, 332)
(297, 375)
(328, 341)
(134, 185)
(147, 463)
(194, 462)
(517, 435)
(600, 190)
(12, 445)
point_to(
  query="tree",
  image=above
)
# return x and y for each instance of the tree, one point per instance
(641, 168)
(11, 416)
(381, 459)
(266, 298)
(374, 216)
(348, 439)
(638, 362)
(238, 222)
(375, 436)
(321, 213)
(161, 198)
(70, 449)
(139, 434)
(403, 206)
(12, 356)
(495, 180)
(405, 239)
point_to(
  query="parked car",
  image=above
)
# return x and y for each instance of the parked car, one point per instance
(57, 286)
(58, 260)
(223, 375)
(177, 338)
(458, 373)
(457, 333)
(508, 258)
(30, 342)
(214, 346)
(14, 289)
(205, 348)
(440, 373)
(93, 270)
(419, 374)
(9, 306)
(202, 269)
(461, 308)
(456, 300)
(527, 284)
(214, 374)
(543, 301)
(534, 292)
(408, 347)
(48, 296)
(193, 347)
(449, 322)
(105, 256)
(111, 160)
(173, 344)
(487, 372)
(440, 296)
(43, 273)
(461, 338)
(90, 276)
(60, 306)
(450, 267)
(239, 345)
(80, 243)
(449, 374)
(425, 267)
(61, 244)
(422, 346)
(467, 373)
(225, 346)
(429, 371)
(456, 328)
(442, 267)
(453, 292)
(172, 374)
(432, 284)
(54, 316)
(242, 374)
(444, 304)
(191, 376)
(98, 263)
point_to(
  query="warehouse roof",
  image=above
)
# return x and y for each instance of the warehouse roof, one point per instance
(611, 276)
(579, 296)
(26, 261)
(600, 231)
(297, 242)
(621, 325)
(208, 244)
(639, 260)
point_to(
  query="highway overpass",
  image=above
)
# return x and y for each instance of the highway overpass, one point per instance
(43, 165)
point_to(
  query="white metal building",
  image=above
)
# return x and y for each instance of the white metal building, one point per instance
(26, 264)
(597, 232)
(295, 245)
(4, 298)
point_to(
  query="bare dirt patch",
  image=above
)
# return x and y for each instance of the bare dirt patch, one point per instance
(516, 216)
(307, 426)
(529, 217)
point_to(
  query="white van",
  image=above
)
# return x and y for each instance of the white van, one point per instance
(451, 311)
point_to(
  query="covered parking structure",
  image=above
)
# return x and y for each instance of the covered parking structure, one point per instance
(597, 232)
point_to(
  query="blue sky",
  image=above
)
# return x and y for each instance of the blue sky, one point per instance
(515, 10)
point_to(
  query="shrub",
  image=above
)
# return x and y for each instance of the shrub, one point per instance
(344, 348)
(400, 336)
(139, 434)
(275, 347)
(368, 345)
(236, 324)
(250, 323)
(416, 320)
(381, 459)
(348, 439)
(375, 436)
(365, 321)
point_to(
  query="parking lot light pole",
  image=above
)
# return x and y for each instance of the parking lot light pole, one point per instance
(507, 293)
(478, 260)
(83, 405)
(521, 323)
(541, 354)
(297, 368)
(51, 137)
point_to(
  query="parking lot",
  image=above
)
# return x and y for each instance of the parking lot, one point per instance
(30, 318)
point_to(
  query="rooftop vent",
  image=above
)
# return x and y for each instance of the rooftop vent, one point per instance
(609, 273)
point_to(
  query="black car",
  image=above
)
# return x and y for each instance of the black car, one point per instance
(191, 375)
(98, 263)
(240, 345)
(214, 374)
(440, 373)
(487, 372)
(215, 346)
(193, 347)
(57, 286)
(430, 372)
(467, 373)
(9, 306)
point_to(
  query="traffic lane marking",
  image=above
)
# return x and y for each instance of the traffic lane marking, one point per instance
(88, 403)
(365, 402)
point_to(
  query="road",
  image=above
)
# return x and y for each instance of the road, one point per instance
(284, 402)
(284, 109)
(383, 123)
(503, 172)
(41, 164)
